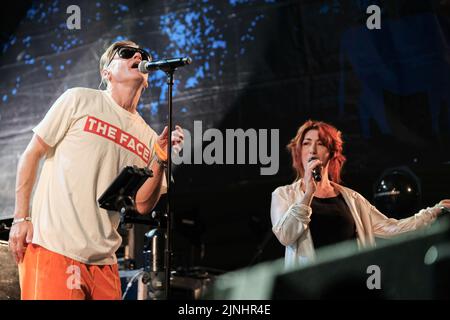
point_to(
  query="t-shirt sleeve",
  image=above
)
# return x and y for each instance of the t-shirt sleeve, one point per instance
(58, 119)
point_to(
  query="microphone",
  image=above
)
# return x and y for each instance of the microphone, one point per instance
(164, 65)
(317, 171)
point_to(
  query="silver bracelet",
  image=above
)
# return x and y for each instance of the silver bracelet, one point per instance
(15, 221)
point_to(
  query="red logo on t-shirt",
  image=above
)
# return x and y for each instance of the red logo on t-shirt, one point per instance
(113, 133)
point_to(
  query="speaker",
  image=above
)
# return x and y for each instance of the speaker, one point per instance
(410, 266)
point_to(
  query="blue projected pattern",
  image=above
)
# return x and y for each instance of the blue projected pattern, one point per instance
(196, 31)
(204, 30)
(197, 34)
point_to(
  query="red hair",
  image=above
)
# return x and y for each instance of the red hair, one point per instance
(330, 137)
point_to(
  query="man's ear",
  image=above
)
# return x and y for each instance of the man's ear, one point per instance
(105, 74)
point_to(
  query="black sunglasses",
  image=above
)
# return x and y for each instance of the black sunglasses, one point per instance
(128, 53)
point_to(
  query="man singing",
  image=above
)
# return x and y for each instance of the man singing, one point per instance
(65, 244)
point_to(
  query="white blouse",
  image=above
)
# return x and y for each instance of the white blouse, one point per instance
(290, 220)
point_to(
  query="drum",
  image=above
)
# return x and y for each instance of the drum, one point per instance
(9, 274)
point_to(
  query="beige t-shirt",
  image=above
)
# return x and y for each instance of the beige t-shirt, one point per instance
(92, 140)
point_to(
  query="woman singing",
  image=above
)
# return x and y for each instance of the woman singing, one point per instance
(316, 210)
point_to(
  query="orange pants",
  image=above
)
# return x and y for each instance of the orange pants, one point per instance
(46, 275)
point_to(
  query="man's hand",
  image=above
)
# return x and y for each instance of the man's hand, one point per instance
(19, 236)
(177, 139)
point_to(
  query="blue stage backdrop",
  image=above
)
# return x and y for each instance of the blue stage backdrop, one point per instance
(257, 64)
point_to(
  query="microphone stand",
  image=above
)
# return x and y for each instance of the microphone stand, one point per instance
(169, 66)
(169, 215)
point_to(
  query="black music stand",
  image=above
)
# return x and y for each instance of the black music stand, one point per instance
(120, 195)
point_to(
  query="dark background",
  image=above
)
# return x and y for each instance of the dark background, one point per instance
(256, 64)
